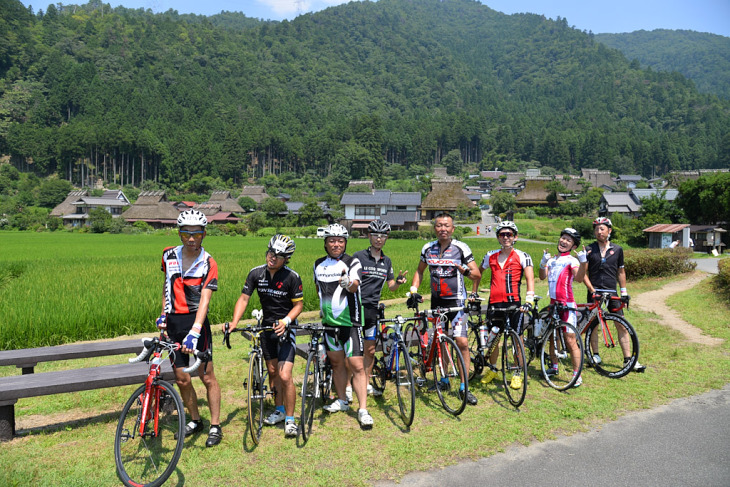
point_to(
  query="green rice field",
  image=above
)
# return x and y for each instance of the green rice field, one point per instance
(63, 287)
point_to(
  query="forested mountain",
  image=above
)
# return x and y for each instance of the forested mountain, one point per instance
(704, 58)
(132, 96)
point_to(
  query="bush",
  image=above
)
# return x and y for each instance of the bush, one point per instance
(722, 280)
(427, 233)
(641, 263)
(143, 227)
(584, 227)
(405, 234)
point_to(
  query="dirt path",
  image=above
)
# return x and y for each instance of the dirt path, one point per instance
(655, 302)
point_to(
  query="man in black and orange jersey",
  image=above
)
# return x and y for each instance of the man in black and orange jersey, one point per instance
(191, 276)
(507, 265)
(448, 261)
(282, 300)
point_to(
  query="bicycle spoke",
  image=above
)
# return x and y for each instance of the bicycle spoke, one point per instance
(449, 375)
(611, 357)
(405, 383)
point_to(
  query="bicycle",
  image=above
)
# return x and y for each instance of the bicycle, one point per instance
(545, 335)
(150, 433)
(397, 367)
(612, 361)
(444, 361)
(482, 342)
(256, 384)
(317, 381)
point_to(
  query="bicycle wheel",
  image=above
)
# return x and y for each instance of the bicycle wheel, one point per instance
(412, 337)
(379, 373)
(476, 365)
(555, 350)
(144, 456)
(513, 354)
(310, 395)
(617, 346)
(404, 383)
(256, 395)
(449, 373)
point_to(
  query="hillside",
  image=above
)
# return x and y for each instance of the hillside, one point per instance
(133, 97)
(704, 58)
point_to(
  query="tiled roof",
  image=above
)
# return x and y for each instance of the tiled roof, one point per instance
(666, 228)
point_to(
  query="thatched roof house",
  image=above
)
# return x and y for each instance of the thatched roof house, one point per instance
(256, 193)
(225, 201)
(66, 207)
(152, 207)
(446, 195)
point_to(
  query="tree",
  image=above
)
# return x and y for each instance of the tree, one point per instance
(453, 162)
(502, 202)
(100, 220)
(707, 199)
(273, 207)
(310, 214)
(53, 192)
(657, 209)
(554, 188)
(247, 203)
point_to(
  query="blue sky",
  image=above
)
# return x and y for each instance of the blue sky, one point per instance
(598, 16)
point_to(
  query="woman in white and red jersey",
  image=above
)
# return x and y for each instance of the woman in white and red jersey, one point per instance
(561, 270)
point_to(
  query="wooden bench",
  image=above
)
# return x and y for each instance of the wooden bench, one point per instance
(30, 384)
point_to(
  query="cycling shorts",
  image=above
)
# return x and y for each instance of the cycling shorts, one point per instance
(178, 327)
(346, 338)
(369, 329)
(516, 317)
(275, 350)
(458, 318)
(568, 316)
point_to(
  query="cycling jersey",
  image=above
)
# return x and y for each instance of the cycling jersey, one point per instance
(182, 291)
(339, 307)
(374, 274)
(560, 277)
(505, 282)
(603, 271)
(446, 280)
(277, 294)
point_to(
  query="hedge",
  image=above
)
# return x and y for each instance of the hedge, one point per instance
(723, 278)
(641, 263)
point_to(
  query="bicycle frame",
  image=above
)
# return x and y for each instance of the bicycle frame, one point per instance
(596, 309)
(439, 316)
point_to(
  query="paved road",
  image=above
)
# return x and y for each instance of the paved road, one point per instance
(706, 265)
(684, 443)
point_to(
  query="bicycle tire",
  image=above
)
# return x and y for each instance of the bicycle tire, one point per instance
(405, 384)
(377, 379)
(513, 353)
(412, 337)
(256, 395)
(310, 393)
(449, 369)
(148, 459)
(555, 336)
(476, 364)
(613, 355)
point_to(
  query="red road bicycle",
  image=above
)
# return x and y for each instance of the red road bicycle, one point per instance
(151, 429)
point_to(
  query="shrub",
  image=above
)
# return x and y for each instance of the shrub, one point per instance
(405, 234)
(143, 227)
(641, 263)
(722, 280)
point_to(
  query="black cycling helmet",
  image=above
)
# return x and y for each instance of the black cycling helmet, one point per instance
(379, 226)
(282, 245)
(572, 233)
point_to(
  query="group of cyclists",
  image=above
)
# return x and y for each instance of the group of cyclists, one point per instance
(349, 289)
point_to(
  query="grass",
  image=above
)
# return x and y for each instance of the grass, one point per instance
(340, 453)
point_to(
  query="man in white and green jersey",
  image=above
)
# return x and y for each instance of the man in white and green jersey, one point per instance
(337, 276)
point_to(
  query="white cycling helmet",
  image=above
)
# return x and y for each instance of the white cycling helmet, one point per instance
(282, 245)
(191, 218)
(335, 230)
(602, 220)
(506, 224)
(379, 226)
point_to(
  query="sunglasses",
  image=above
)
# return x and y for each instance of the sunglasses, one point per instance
(188, 234)
(379, 236)
(506, 234)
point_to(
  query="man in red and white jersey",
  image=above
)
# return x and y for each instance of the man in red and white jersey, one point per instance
(191, 276)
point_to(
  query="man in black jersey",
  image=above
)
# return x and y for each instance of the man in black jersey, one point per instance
(280, 292)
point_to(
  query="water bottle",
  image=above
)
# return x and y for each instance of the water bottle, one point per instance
(493, 333)
(538, 327)
(483, 335)
(322, 354)
(387, 345)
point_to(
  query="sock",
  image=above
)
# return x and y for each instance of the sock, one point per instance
(461, 386)
(281, 409)
(289, 419)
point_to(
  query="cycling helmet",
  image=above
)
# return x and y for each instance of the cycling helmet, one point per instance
(379, 226)
(506, 224)
(191, 218)
(282, 245)
(602, 220)
(335, 230)
(572, 233)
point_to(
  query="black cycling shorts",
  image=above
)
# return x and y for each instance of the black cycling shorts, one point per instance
(281, 351)
(347, 338)
(178, 327)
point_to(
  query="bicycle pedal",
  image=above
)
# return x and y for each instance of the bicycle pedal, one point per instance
(245, 385)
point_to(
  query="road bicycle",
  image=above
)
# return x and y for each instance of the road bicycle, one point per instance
(604, 355)
(551, 339)
(485, 333)
(392, 362)
(150, 433)
(256, 383)
(444, 361)
(317, 381)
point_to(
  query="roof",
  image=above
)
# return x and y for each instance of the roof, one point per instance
(491, 174)
(445, 195)
(100, 201)
(256, 193)
(706, 228)
(629, 177)
(620, 203)
(671, 194)
(67, 205)
(151, 198)
(666, 228)
(381, 197)
(534, 191)
(400, 218)
(224, 200)
(152, 206)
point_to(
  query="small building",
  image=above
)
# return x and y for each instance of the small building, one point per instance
(400, 209)
(113, 201)
(707, 238)
(598, 179)
(256, 193)
(446, 195)
(662, 235)
(225, 201)
(66, 207)
(629, 180)
(153, 208)
(534, 192)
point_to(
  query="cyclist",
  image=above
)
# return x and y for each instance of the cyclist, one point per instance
(605, 267)
(377, 269)
(282, 300)
(560, 271)
(337, 277)
(448, 261)
(191, 276)
(507, 266)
